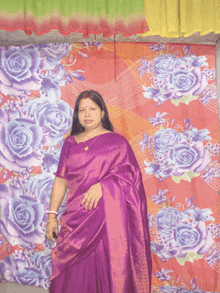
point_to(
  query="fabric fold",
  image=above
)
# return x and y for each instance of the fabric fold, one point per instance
(118, 227)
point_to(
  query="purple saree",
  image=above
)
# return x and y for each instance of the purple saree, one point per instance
(107, 249)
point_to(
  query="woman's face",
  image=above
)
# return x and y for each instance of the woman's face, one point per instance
(90, 114)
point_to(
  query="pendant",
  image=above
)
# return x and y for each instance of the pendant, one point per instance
(86, 148)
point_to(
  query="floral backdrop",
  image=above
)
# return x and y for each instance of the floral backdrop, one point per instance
(163, 99)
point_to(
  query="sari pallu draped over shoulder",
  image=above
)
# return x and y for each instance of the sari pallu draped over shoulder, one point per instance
(121, 214)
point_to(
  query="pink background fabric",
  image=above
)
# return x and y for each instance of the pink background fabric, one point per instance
(162, 98)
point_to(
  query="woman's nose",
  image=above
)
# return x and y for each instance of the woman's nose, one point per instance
(87, 112)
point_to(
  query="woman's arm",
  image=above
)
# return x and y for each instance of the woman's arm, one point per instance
(58, 192)
(57, 195)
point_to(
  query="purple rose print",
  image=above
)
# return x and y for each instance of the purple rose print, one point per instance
(150, 220)
(157, 47)
(42, 261)
(181, 153)
(55, 118)
(197, 135)
(189, 158)
(94, 44)
(174, 289)
(54, 53)
(146, 66)
(161, 251)
(20, 70)
(159, 171)
(51, 159)
(166, 139)
(178, 79)
(159, 198)
(208, 96)
(20, 142)
(192, 60)
(164, 65)
(29, 276)
(167, 219)
(193, 238)
(199, 215)
(21, 217)
(146, 142)
(21, 268)
(153, 93)
(163, 275)
(213, 257)
(52, 81)
(158, 119)
(210, 173)
(186, 82)
(41, 186)
(77, 74)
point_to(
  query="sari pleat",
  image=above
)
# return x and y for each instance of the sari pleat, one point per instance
(107, 249)
(90, 275)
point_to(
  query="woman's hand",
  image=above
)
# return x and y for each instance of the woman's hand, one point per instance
(52, 226)
(92, 196)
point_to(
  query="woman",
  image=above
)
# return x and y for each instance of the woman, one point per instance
(103, 245)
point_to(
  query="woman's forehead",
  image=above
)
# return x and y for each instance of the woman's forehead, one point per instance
(86, 103)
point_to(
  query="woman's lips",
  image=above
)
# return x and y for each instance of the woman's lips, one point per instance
(88, 121)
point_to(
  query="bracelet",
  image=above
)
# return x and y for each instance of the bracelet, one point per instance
(52, 212)
(51, 220)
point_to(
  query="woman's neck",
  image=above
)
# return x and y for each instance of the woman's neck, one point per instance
(94, 132)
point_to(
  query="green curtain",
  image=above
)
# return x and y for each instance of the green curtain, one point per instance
(89, 17)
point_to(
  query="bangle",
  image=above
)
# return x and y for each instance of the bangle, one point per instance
(52, 212)
(51, 220)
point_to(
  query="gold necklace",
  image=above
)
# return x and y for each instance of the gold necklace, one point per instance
(87, 147)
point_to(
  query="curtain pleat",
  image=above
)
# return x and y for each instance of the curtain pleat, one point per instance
(88, 17)
(177, 18)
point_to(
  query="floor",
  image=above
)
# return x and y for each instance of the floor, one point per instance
(16, 288)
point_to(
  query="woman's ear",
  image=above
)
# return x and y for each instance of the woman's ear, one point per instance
(103, 114)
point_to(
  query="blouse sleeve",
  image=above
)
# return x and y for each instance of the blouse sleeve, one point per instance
(62, 169)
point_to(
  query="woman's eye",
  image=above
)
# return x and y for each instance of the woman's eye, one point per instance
(81, 110)
(93, 108)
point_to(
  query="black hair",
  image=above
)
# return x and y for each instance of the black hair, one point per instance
(96, 98)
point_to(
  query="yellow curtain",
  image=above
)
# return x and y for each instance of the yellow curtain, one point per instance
(177, 18)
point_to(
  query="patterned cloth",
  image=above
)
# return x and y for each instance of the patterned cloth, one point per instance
(163, 100)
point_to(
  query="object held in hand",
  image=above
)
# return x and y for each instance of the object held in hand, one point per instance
(54, 235)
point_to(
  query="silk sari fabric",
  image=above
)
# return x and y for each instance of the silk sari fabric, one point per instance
(106, 249)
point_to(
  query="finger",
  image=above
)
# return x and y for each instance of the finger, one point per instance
(57, 231)
(85, 196)
(50, 235)
(53, 239)
(96, 202)
(91, 203)
(88, 201)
